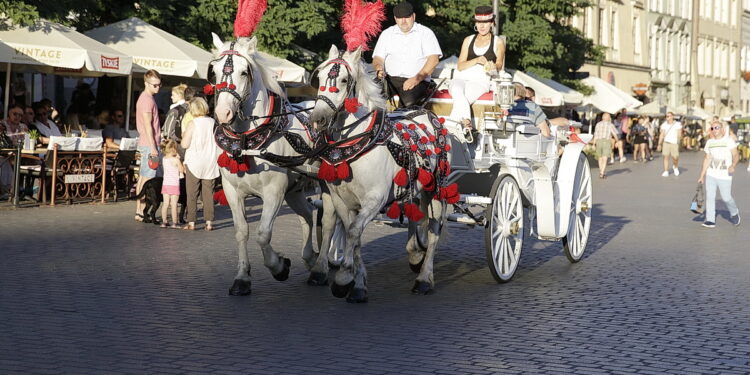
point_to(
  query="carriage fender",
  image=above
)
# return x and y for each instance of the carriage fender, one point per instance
(566, 177)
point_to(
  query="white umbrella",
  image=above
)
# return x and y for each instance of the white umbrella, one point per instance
(653, 109)
(549, 93)
(608, 98)
(53, 48)
(286, 71)
(695, 112)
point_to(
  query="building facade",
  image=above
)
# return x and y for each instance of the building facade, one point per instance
(719, 43)
(621, 27)
(745, 59)
(670, 28)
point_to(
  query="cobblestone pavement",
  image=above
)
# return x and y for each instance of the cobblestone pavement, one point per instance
(84, 289)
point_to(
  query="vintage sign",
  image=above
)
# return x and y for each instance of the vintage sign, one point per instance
(79, 178)
(157, 64)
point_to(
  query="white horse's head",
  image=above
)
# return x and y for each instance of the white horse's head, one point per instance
(238, 75)
(340, 77)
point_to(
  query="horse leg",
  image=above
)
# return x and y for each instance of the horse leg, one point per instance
(327, 221)
(272, 199)
(297, 201)
(352, 276)
(435, 211)
(241, 285)
(414, 248)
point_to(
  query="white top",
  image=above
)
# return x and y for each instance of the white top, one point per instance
(406, 54)
(671, 131)
(49, 129)
(720, 151)
(201, 156)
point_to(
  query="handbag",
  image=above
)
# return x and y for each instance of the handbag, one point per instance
(5, 141)
(698, 200)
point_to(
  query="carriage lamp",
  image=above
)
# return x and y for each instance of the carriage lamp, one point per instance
(504, 91)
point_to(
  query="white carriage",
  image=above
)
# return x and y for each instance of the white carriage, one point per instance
(516, 173)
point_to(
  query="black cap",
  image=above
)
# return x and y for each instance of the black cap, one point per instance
(483, 13)
(403, 10)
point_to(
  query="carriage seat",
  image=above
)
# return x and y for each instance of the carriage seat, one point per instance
(444, 96)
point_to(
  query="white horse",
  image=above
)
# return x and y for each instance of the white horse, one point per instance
(253, 113)
(360, 192)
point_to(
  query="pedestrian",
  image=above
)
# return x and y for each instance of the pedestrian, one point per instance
(405, 56)
(718, 168)
(603, 133)
(201, 154)
(670, 136)
(172, 128)
(639, 134)
(622, 126)
(149, 134)
(651, 134)
(170, 188)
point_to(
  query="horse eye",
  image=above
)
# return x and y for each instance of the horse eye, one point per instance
(345, 80)
(244, 74)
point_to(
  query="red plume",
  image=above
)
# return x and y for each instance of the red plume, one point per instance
(249, 13)
(361, 22)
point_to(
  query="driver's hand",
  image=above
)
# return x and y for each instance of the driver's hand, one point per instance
(410, 83)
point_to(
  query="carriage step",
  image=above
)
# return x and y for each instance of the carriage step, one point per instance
(475, 199)
(462, 218)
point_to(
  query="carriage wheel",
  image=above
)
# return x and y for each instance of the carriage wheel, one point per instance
(503, 236)
(574, 243)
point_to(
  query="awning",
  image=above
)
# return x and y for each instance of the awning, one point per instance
(607, 98)
(694, 112)
(653, 109)
(49, 47)
(154, 48)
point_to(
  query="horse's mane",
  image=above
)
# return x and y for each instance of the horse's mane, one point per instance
(368, 92)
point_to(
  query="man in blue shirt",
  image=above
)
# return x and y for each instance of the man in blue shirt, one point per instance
(529, 110)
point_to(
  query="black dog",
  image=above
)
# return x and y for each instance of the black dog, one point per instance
(152, 197)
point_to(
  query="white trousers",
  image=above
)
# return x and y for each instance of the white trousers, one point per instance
(464, 93)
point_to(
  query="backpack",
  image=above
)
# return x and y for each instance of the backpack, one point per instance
(172, 128)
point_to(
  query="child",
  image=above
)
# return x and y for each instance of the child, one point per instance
(170, 189)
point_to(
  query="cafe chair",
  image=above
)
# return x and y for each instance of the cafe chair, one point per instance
(120, 173)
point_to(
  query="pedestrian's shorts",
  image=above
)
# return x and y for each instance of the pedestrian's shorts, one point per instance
(670, 149)
(604, 148)
(145, 171)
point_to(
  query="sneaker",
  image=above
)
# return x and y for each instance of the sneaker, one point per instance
(676, 171)
(709, 224)
(665, 174)
(611, 161)
(623, 159)
(735, 219)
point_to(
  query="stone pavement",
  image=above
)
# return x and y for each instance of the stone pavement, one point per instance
(84, 289)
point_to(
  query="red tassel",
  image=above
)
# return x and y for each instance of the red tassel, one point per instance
(445, 167)
(399, 126)
(221, 85)
(422, 126)
(413, 147)
(423, 140)
(426, 179)
(322, 88)
(447, 147)
(221, 198)
(438, 150)
(327, 172)
(208, 89)
(343, 171)
(441, 120)
(351, 105)
(412, 127)
(233, 166)
(407, 136)
(402, 178)
(223, 160)
(394, 211)
(232, 86)
(444, 131)
(412, 212)
(450, 193)
(432, 138)
(428, 152)
(333, 89)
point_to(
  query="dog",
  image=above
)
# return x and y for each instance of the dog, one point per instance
(152, 198)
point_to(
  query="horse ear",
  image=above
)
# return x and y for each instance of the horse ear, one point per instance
(357, 54)
(334, 52)
(217, 42)
(252, 45)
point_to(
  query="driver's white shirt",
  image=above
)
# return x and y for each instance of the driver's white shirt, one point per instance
(406, 54)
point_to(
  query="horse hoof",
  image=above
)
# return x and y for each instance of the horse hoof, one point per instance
(416, 268)
(340, 291)
(357, 295)
(334, 266)
(284, 274)
(421, 288)
(240, 288)
(317, 279)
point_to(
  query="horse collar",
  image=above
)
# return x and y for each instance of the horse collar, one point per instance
(234, 143)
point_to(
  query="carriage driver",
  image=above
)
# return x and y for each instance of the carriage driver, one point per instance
(405, 56)
(529, 109)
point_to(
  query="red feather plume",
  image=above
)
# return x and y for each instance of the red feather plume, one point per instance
(249, 13)
(361, 22)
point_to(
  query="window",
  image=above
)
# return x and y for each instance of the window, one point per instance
(733, 63)
(723, 17)
(603, 28)
(589, 23)
(709, 55)
(733, 13)
(724, 71)
(615, 32)
(708, 9)
(637, 40)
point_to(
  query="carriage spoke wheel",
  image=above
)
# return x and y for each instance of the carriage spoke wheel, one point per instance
(574, 242)
(503, 235)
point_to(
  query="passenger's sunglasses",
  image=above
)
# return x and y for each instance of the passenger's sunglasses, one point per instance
(118, 116)
(715, 127)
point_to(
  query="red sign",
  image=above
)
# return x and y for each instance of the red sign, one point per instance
(110, 63)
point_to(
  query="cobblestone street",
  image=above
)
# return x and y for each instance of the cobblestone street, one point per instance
(85, 289)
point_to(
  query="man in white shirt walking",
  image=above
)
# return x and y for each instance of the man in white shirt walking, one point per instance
(670, 137)
(405, 56)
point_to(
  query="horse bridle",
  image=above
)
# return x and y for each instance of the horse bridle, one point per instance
(331, 82)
